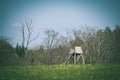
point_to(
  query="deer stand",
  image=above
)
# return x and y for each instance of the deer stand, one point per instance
(74, 55)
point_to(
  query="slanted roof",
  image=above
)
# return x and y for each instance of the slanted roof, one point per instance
(77, 50)
(71, 51)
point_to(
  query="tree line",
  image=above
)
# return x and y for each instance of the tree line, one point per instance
(100, 46)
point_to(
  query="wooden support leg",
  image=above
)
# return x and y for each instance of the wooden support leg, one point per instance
(75, 58)
(78, 57)
(83, 59)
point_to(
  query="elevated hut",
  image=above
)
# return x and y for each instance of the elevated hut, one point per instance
(75, 53)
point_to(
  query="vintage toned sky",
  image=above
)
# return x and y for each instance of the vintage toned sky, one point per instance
(57, 14)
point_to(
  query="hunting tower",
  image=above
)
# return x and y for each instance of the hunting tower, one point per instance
(75, 53)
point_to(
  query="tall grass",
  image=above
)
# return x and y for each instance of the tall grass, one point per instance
(62, 72)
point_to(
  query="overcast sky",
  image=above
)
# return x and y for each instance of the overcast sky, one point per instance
(58, 15)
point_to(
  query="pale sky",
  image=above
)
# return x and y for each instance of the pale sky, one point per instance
(57, 14)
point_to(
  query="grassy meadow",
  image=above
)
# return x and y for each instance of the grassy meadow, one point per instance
(61, 72)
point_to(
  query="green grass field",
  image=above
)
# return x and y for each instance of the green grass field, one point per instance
(62, 72)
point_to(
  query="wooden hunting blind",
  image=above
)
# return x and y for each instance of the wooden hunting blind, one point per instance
(76, 53)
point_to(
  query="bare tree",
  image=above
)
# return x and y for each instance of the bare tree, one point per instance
(97, 45)
(23, 34)
(51, 37)
(84, 37)
(27, 31)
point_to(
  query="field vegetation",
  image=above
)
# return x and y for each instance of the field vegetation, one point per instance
(61, 72)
